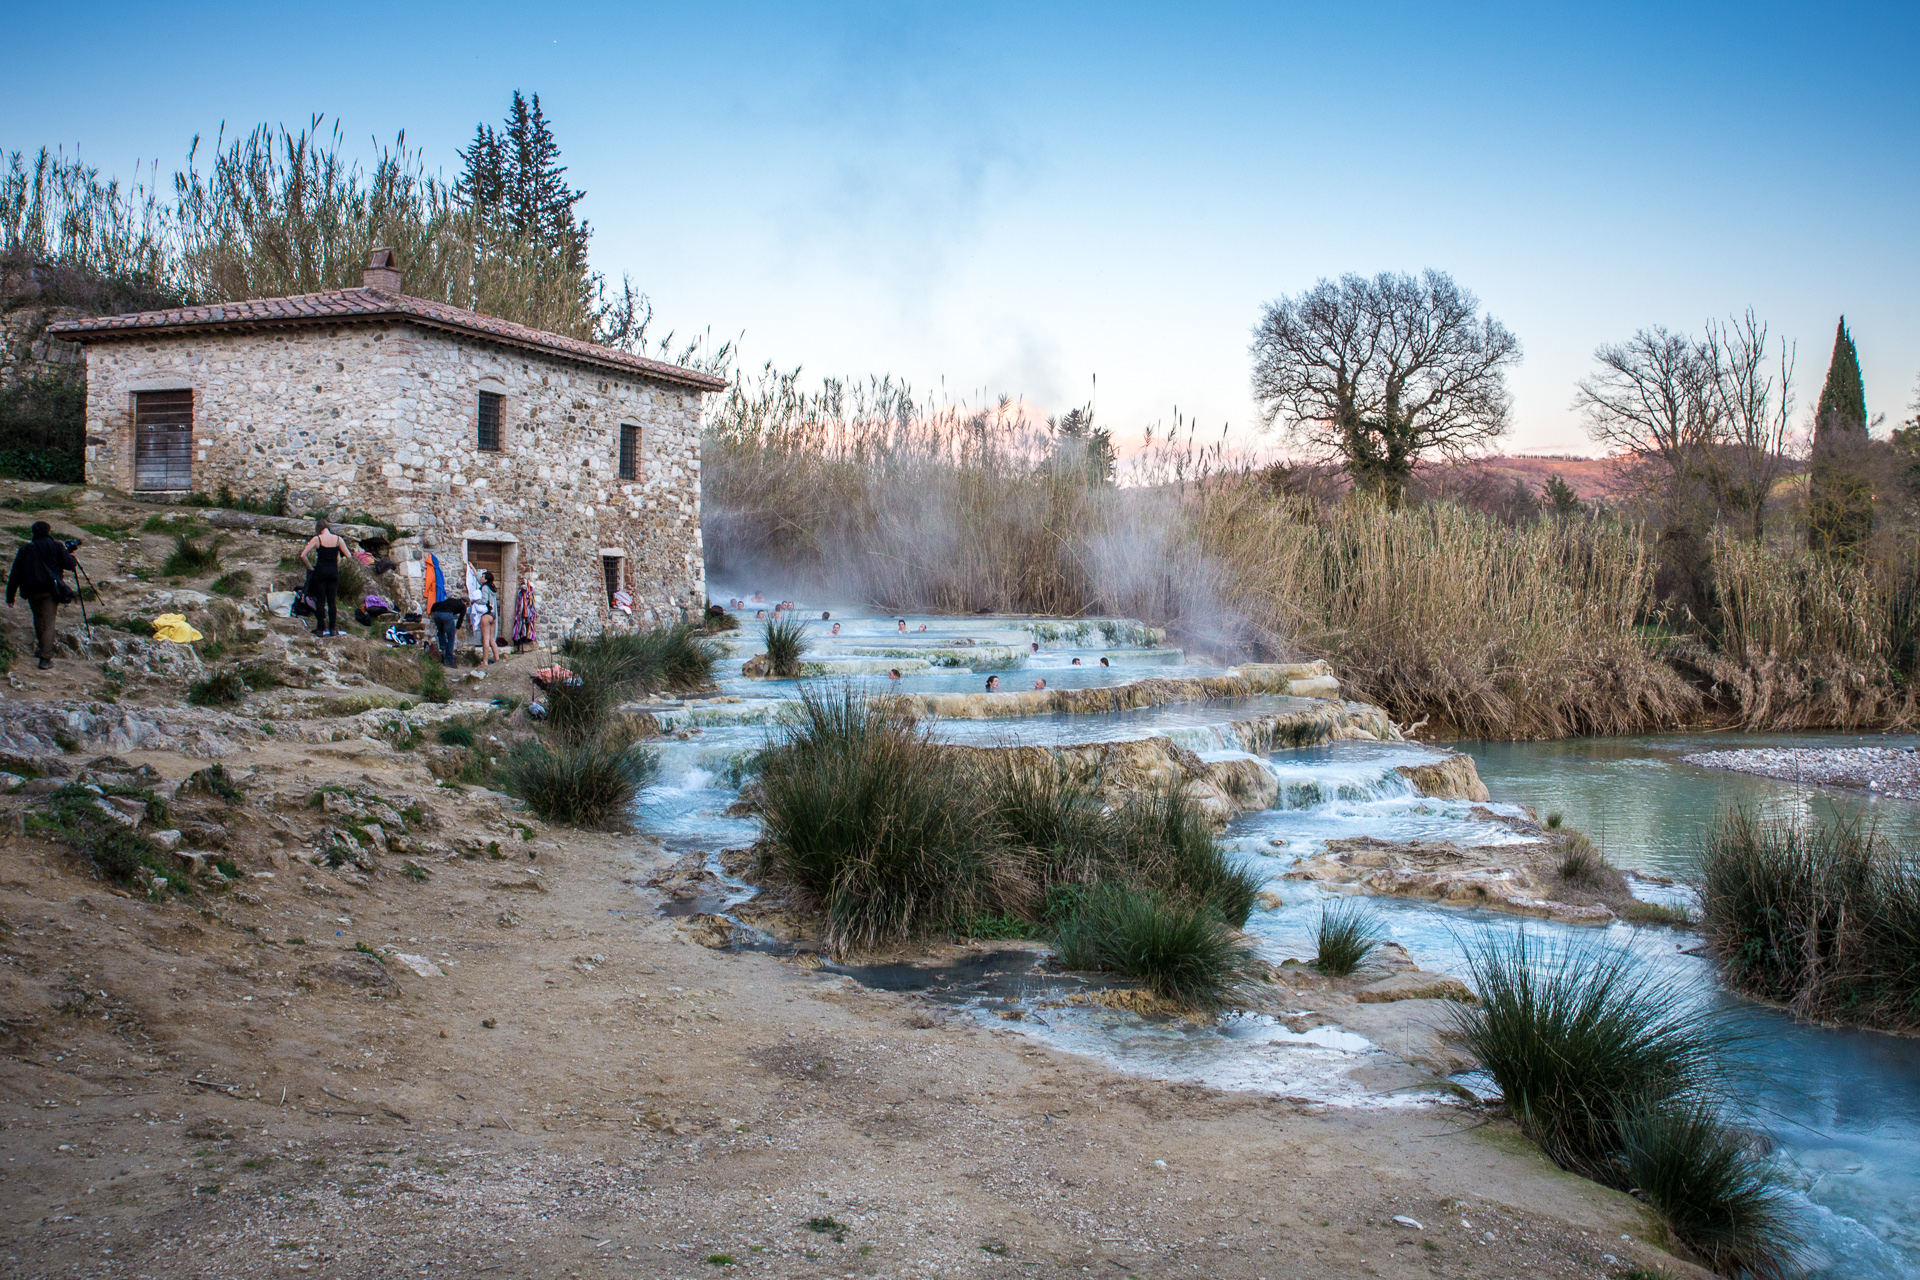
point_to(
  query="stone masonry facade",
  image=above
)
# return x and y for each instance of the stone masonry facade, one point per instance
(381, 416)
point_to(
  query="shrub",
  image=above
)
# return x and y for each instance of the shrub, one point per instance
(1345, 934)
(587, 784)
(233, 584)
(190, 559)
(260, 676)
(786, 640)
(221, 689)
(862, 814)
(716, 620)
(1177, 946)
(1719, 1201)
(1819, 917)
(1573, 1035)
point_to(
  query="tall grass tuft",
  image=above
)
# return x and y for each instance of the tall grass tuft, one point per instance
(1345, 934)
(1819, 917)
(674, 658)
(862, 814)
(583, 784)
(191, 559)
(1572, 1035)
(786, 640)
(1165, 841)
(1720, 1202)
(1177, 946)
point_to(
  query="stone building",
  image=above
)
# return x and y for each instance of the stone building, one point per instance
(571, 466)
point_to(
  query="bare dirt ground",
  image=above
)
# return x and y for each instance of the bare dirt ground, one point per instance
(230, 1084)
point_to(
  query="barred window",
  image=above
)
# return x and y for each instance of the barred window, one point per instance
(490, 421)
(629, 452)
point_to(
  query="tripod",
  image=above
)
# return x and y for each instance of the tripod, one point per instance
(79, 572)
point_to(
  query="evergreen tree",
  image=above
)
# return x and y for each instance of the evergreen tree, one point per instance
(1839, 484)
(483, 180)
(1843, 400)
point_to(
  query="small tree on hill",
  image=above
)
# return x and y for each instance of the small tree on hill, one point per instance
(1379, 373)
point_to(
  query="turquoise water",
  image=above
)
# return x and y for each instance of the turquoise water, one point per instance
(1842, 1107)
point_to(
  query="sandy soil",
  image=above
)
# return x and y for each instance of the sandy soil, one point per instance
(226, 1085)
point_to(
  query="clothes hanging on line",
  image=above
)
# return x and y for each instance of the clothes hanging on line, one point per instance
(526, 616)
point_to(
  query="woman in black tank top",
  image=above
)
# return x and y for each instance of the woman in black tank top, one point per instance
(323, 552)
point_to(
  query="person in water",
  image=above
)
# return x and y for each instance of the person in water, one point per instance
(1039, 684)
(903, 626)
(993, 684)
(322, 555)
(893, 673)
(1105, 663)
(824, 615)
(1034, 647)
(836, 628)
(923, 626)
(1076, 662)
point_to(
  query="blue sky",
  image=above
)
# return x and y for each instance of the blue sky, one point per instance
(1020, 198)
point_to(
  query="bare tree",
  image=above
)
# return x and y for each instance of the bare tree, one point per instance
(1751, 405)
(1654, 399)
(1378, 373)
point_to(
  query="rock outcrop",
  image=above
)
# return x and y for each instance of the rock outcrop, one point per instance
(1311, 682)
(1497, 877)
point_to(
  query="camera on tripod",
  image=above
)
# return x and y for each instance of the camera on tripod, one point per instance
(71, 544)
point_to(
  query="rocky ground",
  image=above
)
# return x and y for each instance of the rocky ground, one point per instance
(1887, 771)
(397, 1025)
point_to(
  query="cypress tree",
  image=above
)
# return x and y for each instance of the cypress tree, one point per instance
(1839, 486)
(1843, 400)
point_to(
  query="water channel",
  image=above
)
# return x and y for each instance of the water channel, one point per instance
(1841, 1107)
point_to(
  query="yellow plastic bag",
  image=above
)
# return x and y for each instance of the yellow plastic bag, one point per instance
(173, 626)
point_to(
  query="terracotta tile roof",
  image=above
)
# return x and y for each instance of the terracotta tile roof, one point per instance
(372, 304)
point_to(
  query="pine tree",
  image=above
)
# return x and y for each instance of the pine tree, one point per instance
(483, 180)
(1839, 490)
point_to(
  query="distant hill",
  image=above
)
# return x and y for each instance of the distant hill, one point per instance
(1602, 478)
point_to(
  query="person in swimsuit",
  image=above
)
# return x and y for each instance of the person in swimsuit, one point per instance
(322, 554)
(489, 603)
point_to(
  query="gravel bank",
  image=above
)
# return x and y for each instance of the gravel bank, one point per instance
(1887, 771)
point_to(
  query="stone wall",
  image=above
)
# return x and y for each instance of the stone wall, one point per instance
(382, 418)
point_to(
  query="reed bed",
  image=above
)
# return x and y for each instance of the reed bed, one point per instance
(1820, 917)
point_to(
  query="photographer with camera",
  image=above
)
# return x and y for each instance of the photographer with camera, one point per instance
(39, 574)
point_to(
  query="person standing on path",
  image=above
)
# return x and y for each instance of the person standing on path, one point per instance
(36, 575)
(486, 609)
(322, 554)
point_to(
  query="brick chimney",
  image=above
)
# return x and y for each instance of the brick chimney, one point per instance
(382, 273)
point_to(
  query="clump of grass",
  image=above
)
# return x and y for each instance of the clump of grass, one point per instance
(47, 500)
(191, 559)
(454, 735)
(1719, 1201)
(674, 658)
(785, 640)
(234, 583)
(1580, 862)
(433, 680)
(1661, 913)
(1818, 917)
(716, 620)
(261, 676)
(1345, 934)
(1573, 1035)
(586, 784)
(861, 814)
(1553, 821)
(1167, 843)
(1177, 946)
(221, 689)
